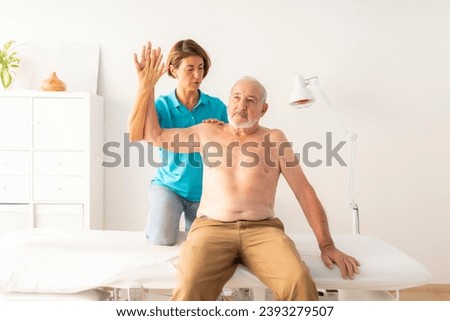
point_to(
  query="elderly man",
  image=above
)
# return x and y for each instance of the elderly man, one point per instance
(235, 221)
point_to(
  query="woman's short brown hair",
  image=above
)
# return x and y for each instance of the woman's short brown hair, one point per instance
(187, 48)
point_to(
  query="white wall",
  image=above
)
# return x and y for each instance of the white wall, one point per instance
(384, 64)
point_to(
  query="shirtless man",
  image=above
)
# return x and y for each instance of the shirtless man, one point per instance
(236, 222)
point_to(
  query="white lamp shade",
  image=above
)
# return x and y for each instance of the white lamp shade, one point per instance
(301, 96)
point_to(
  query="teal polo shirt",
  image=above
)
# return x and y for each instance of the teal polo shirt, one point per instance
(183, 173)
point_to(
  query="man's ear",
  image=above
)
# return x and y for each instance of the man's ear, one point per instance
(264, 109)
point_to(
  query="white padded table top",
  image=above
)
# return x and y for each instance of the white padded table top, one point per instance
(383, 266)
(55, 261)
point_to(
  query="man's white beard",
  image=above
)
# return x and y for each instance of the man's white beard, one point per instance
(243, 125)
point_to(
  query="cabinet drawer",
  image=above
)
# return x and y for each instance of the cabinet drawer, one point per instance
(14, 188)
(14, 217)
(59, 188)
(14, 163)
(15, 122)
(66, 216)
(59, 163)
(60, 123)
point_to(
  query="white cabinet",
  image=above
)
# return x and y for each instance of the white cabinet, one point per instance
(15, 216)
(51, 172)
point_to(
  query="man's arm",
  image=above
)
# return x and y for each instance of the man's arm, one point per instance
(143, 122)
(138, 114)
(312, 208)
(136, 118)
(180, 140)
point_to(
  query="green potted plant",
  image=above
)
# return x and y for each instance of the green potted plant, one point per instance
(7, 61)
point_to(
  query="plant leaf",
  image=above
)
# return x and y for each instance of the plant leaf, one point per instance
(8, 45)
(6, 78)
(7, 60)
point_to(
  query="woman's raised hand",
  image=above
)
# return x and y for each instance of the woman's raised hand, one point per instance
(150, 67)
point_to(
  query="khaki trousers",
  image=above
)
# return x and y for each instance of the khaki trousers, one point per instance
(213, 249)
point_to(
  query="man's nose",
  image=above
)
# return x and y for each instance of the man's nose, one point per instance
(242, 105)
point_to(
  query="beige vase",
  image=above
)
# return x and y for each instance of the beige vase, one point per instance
(53, 83)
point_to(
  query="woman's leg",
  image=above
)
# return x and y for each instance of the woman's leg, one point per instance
(163, 222)
(190, 213)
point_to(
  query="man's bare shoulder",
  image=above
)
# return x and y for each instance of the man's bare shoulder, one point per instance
(210, 127)
(206, 127)
(209, 124)
(209, 131)
(276, 135)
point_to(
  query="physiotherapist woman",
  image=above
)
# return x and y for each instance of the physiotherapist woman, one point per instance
(177, 185)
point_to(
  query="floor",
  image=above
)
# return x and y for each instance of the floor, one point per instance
(430, 292)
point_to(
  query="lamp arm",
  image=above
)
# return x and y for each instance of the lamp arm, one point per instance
(333, 110)
(350, 137)
(351, 169)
